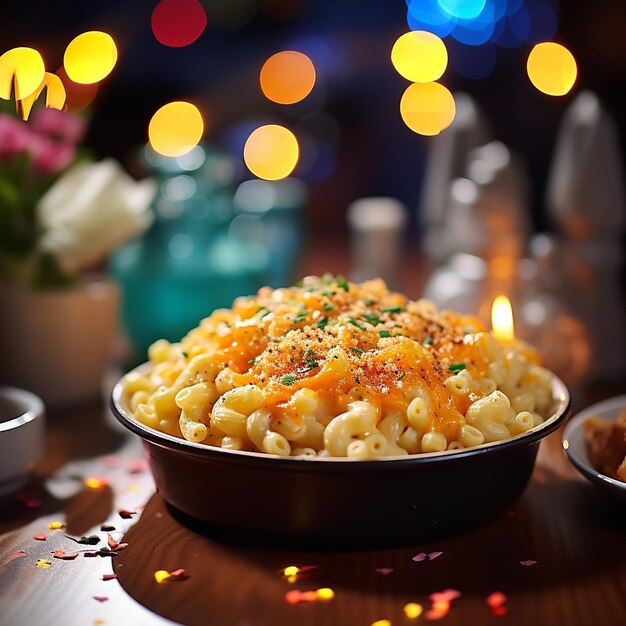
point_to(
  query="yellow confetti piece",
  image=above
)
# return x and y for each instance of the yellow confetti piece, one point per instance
(43, 564)
(413, 610)
(161, 575)
(94, 483)
(133, 488)
(291, 570)
(56, 525)
(325, 593)
(381, 622)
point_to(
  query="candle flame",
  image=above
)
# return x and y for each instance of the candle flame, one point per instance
(502, 319)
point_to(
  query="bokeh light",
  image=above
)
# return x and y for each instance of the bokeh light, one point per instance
(478, 30)
(90, 57)
(427, 108)
(55, 95)
(419, 56)
(427, 15)
(287, 77)
(463, 9)
(271, 152)
(175, 129)
(552, 68)
(78, 96)
(22, 69)
(178, 23)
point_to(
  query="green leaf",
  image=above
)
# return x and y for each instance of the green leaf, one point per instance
(455, 368)
(290, 379)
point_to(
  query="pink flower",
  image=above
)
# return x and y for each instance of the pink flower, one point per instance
(50, 157)
(58, 125)
(15, 136)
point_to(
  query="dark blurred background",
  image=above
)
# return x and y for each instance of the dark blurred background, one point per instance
(358, 144)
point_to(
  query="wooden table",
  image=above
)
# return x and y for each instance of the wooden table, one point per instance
(576, 538)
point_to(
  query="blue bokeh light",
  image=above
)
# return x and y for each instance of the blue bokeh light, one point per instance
(462, 9)
(478, 31)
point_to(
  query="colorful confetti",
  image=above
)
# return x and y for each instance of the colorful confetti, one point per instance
(56, 525)
(43, 563)
(528, 563)
(65, 556)
(100, 598)
(163, 575)
(413, 610)
(96, 482)
(496, 601)
(107, 528)
(294, 596)
(111, 461)
(441, 603)
(126, 513)
(17, 554)
(422, 556)
(135, 466)
(115, 545)
(109, 576)
(90, 540)
(381, 622)
(325, 593)
(40, 537)
(90, 553)
(384, 570)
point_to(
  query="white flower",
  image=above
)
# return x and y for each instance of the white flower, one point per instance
(92, 209)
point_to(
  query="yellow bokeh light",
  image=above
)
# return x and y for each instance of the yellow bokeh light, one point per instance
(55, 95)
(420, 56)
(271, 152)
(427, 108)
(287, 77)
(90, 57)
(552, 68)
(22, 69)
(175, 129)
(413, 610)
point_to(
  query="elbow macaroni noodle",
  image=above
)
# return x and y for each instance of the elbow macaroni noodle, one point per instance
(335, 369)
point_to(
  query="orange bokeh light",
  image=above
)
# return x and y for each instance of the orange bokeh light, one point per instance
(287, 77)
(90, 57)
(175, 129)
(427, 108)
(22, 70)
(271, 152)
(552, 68)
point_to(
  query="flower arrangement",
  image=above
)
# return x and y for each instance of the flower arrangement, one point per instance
(61, 211)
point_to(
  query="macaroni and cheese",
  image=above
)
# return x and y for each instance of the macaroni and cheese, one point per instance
(332, 368)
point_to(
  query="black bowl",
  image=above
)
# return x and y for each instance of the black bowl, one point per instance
(340, 503)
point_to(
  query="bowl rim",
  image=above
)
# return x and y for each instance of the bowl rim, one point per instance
(582, 464)
(562, 405)
(32, 407)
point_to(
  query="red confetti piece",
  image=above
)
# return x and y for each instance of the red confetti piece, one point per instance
(135, 466)
(384, 570)
(40, 537)
(66, 556)
(308, 596)
(90, 553)
(499, 610)
(422, 556)
(497, 598)
(115, 545)
(109, 576)
(447, 595)
(100, 598)
(292, 597)
(528, 563)
(17, 554)
(30, 499)
(177, 573)
(306, 568)
(126, 514)
(177, 23)
(437, 613)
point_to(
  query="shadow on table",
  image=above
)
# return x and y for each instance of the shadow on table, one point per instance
(564, 526)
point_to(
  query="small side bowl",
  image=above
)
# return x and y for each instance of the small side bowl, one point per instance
(340, 502)
(22, 423)
(576, 449)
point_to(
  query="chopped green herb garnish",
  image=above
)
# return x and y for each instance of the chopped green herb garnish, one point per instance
(401, 375)
(372, 318)
(368, 302)
(321, 322)
(311, 364)
(301, 316)
(427, 341)
(262, 311)
(252, 361)
(185, 353)
(325, 293)
(384, 333)
(310, 352)
(355, 323)
(392, 309)
(290, 379)
(357, 350)
(455, 368)
(328, 307)
(342, 283)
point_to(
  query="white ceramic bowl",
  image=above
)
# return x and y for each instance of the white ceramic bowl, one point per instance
(22, 421)
(576, 449)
